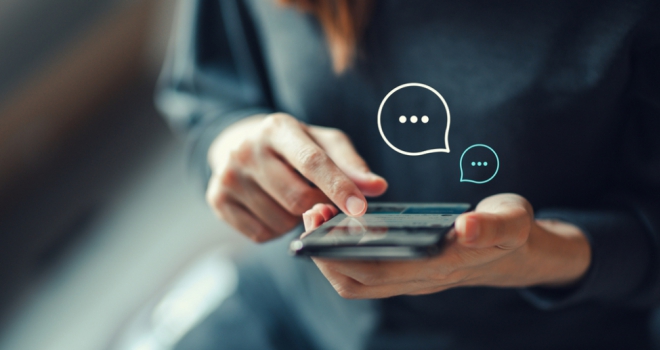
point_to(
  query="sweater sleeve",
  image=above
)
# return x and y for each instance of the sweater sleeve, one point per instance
(624, 227)
(213, 75)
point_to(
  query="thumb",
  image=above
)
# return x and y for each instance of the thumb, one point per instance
(340, 149)
(502, 221)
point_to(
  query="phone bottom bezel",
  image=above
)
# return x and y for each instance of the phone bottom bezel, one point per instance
(371, 252)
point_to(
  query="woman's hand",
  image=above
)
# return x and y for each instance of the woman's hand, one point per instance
(499, 244)
(268, 170)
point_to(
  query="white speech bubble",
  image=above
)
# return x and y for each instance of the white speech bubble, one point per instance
(434, 150)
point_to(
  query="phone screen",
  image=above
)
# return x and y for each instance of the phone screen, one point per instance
(410, 224)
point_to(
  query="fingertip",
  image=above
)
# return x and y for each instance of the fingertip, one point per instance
(379, 187)
(375, 178)
(385, 184)
(317, 207)
(468, 228)
(459, 224)
(306, 221)
(356, 206)
(313, 218)
(316, 219)
(327, 212)
(371, 185)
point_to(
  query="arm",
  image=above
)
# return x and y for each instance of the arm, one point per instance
(213, 75)
(263, 169)
(623, 227)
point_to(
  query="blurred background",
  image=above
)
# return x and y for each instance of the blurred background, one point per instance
(105, 240)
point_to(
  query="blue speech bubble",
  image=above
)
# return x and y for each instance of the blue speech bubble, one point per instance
(479, 164)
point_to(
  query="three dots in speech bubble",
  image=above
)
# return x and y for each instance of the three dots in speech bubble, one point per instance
(479, 151)
(413, 119)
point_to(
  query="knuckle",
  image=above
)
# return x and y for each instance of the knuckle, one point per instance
(258, 233)
(221, 199)
(217, 200)
(259, 238)
(275, 121)
(311, 158)
(244, 153)
(229, 178)
(336, 186)
(523, 233)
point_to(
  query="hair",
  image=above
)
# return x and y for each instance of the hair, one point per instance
(343, 22)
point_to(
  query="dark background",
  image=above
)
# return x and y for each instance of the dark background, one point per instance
(98, 216)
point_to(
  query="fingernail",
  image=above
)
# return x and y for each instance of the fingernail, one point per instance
(471, 230)
(355, 205)
(367, 175)
(306, 220)
(374, 176)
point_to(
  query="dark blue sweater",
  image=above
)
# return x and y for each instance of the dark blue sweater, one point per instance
(566, 92)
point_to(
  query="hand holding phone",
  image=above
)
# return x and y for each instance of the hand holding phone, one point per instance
(499, 244)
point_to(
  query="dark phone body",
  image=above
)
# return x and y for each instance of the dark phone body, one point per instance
(386, 231)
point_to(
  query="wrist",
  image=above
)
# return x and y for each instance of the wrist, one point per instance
(560, 253)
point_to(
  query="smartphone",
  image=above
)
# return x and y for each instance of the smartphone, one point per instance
(386, 231)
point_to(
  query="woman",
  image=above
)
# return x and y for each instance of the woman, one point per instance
(279, 102)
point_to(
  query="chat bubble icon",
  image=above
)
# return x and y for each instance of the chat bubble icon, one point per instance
(419, 110)
(479, 164)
